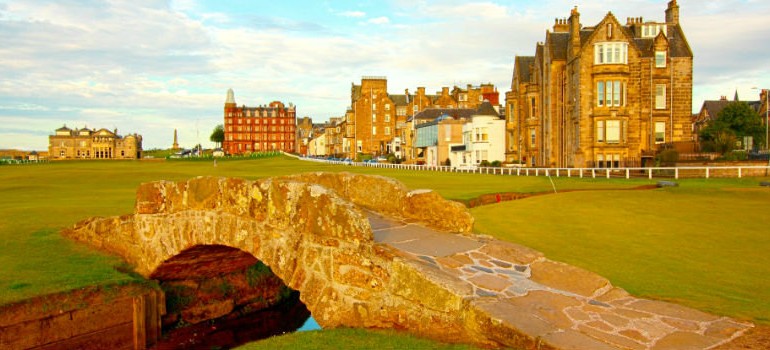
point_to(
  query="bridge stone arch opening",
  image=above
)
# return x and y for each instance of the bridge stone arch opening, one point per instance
(216, 282)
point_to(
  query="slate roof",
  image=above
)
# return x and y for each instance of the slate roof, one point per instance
(487, 109)
(522, 66)
(558, 45)
(714, 107)
(679, 47)
(400, 99)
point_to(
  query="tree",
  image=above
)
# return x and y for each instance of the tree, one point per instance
(218, 135)
(734, 122)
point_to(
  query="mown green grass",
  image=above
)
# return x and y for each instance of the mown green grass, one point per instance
(348, 338)
(705, 244)
(37, 201)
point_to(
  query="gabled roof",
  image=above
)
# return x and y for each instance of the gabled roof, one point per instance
(400, 99)
(521, 67)
(714, 107)
(104, 131)
(558, 45)
(64, 128)
(487, 109)
(678, 45)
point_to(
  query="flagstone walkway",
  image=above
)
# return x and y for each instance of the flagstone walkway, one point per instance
(536, 302)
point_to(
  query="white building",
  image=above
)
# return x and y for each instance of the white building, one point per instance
(483, 139)
(317, 146)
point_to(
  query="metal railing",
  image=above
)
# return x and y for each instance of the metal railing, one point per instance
(21, 161)
(628, 173)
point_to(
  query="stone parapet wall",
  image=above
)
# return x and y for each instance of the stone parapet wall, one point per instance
(106, 317)
(388, 196)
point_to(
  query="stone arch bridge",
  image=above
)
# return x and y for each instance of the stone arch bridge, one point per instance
(364, 251)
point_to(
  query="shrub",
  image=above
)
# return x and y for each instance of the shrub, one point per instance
(735, 155)
(496, 164)
(484, 163)
(668, 157)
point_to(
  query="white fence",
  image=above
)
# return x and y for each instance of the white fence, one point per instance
(628, 173)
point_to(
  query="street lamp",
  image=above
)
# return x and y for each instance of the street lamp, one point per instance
(767, 115)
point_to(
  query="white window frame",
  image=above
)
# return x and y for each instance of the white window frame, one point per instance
(613, 52)
(387, 130)
(660, 96)
(600, 90)
(660, 59)
(616, 86)
(374, 130)
(532, 137)
(652, 30)
(600, 131)
(660, 129)
(612, 131)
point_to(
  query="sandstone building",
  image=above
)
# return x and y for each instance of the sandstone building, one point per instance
(85, 143)
(304, 134)
(378, 122)
(608, 95)
(258, 129)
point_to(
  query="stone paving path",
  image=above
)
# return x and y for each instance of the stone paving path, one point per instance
(554, 304)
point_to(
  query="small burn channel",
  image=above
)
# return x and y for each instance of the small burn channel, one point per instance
(223, 297)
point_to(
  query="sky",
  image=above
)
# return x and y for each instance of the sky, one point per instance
(152, 66)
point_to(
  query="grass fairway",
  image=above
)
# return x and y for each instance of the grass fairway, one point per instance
(704, 244)
(347, 338)
(36, 201)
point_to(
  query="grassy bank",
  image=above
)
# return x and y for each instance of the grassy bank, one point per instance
(704, 244)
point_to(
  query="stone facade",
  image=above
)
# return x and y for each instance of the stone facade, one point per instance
(85, 143)
(259, 129)
(312, 232)
(304, 134)
(604, 96)
(379, 123)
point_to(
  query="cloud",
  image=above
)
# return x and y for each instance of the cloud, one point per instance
(379, 20)
(354, 14)
(77, 62)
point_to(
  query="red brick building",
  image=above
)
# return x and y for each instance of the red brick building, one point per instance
(259, 129)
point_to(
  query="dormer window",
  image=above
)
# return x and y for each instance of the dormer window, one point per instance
(652, 30)
(611, 53)
(660, 59)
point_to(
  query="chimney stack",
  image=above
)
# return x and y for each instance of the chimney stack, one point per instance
(574, 31)
(672, 13)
